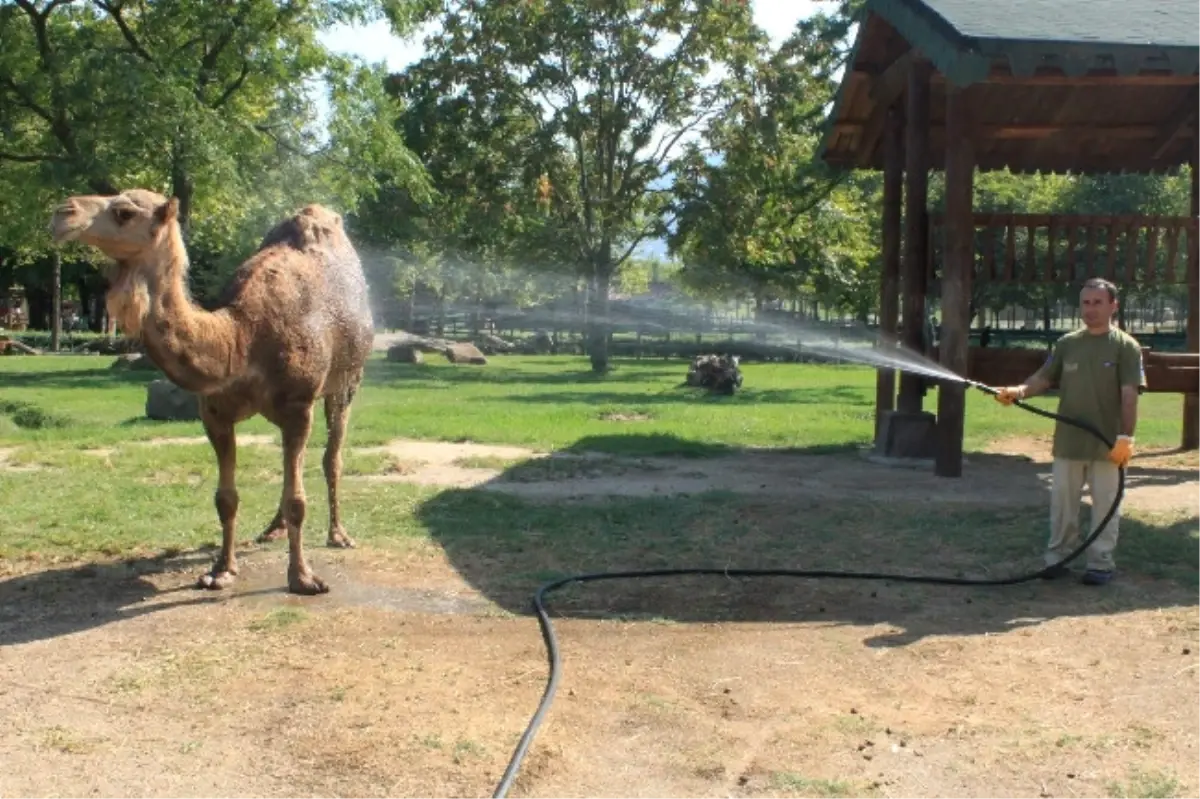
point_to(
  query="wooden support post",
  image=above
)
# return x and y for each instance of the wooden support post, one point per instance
(957, 267)
(916, 222)
(1191, 402)
(889, 292)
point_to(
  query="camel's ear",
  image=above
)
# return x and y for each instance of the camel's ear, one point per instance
(167, 211)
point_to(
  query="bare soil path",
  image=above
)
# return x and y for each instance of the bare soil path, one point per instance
(123, 680)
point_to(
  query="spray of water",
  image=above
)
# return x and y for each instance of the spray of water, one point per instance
(674, 314)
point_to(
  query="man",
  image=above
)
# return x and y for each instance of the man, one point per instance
(1099, 372)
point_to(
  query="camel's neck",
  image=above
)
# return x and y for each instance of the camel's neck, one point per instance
(198, 350)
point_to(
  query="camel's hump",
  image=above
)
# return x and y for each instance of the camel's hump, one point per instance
(312, 225)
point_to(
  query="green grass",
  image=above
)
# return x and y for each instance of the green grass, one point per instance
(127, 498)
(542, 402)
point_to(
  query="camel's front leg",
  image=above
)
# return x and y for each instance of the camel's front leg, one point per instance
(296, 425)
(221, 436)
(337, 413)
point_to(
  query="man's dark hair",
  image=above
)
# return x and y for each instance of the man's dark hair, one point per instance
(1101, 283)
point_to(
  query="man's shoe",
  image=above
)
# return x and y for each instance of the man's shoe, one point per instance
(1097, 576)
(1055, 571)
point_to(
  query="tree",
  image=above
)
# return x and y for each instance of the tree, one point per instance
(612, 87)
(757, 213)
(210, 107)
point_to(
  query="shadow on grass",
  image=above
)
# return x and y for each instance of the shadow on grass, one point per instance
(670, 386)
(555, 372)
(506, 544)
(825, 395)
(666, 445)
(99, 377)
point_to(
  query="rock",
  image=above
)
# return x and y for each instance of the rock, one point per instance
(134, 362)
(10, 346)
(491, 344)
(421, 343)
(166, 401)
(463, 352)
(110, 346)
(405, 353)
(718, 373)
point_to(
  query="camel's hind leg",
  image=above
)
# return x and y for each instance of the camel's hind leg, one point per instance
(296, 424)
(337, 415)
(221, 436)
(276, 528)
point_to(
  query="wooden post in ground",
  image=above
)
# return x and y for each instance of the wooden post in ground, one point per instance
(889, 284)
(1191, 404)
(957, 268)
(916, 220)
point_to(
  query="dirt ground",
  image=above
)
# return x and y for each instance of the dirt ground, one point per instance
(1015, 472)
(123, 680)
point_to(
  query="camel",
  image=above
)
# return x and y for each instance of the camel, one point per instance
(293, 325)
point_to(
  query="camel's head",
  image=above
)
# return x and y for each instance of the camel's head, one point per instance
(133, 228)
(123, 226)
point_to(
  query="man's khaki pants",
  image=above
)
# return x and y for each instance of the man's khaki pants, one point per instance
(1066, 493)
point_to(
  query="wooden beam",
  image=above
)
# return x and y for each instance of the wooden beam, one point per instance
(916, 167)
(1003, 77)
(889, 289)
(1191, 402)
(957, 266)
(885, 90)
(1181, 120)
(999, 219)
(1036, 132)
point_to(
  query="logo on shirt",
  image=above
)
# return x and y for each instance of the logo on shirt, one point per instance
(1070, 366)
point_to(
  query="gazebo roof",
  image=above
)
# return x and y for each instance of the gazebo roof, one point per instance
(1068, 86)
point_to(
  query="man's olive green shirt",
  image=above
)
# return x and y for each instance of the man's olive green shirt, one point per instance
(1090, 370)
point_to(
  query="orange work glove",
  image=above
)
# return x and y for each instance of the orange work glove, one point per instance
(1006, 396)
(1122, 452)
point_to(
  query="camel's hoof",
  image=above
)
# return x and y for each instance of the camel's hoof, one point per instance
(273, 534)
(215, 580)
(306, 584)
(339, 540)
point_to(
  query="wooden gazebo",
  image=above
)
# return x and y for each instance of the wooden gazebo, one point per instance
(1079, 86)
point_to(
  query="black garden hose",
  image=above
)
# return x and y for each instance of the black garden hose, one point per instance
(551, 640)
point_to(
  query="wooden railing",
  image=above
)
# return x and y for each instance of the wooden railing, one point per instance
(1166, 372)
(1065, 248)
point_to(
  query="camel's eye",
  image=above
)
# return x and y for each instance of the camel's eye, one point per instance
(123, 214)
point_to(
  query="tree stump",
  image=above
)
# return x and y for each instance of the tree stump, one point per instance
(718, 373)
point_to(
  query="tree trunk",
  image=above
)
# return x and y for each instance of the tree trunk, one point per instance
(598, 327)
(85, 304)
(182, 187)
(39, 301)
(56, 302)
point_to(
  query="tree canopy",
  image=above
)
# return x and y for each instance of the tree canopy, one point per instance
(529, 156)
